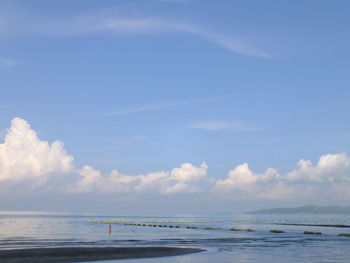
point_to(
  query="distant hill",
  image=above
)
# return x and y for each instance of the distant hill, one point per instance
(309, 209)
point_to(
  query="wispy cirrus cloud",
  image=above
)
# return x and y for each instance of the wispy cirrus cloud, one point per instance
(159, 106)
(224, 126)
(118, 21)
(10, 62)
(176, 1)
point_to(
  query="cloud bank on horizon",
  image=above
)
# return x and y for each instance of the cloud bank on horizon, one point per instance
(25, 159)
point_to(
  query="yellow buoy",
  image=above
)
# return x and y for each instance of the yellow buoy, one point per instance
(276, 231)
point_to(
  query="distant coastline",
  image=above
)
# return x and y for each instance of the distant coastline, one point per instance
(308, 209)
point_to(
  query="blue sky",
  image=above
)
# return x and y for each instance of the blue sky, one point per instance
(145, 86)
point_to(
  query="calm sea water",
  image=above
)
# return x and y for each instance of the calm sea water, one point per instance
(22, 230)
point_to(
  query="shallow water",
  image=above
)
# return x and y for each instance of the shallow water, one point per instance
(45, 230)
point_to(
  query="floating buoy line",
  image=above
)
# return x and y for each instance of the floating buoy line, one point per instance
(147, 223)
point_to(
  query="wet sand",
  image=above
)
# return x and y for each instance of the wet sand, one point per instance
(80, 254)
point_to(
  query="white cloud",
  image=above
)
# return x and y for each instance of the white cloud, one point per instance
(9, 62)
(24, 156)
(159, 106)
(185, 179)
(226, 41)
(224, 125)
(242, 176)
(330, 168)
(119, 22)
(331, 171)
(176, 1)
(243, 182)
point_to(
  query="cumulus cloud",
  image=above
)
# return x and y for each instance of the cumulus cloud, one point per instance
(243, 182)
(330, 168)
(331, 171)
(24, 156)
(242, 176)
(185, 179)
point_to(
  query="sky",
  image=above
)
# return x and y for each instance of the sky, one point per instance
(173, 106)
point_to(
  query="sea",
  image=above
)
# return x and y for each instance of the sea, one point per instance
(20, 230)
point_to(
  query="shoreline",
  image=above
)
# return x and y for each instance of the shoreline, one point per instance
(81, 254)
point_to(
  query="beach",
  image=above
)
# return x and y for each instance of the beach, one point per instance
(87, 254)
